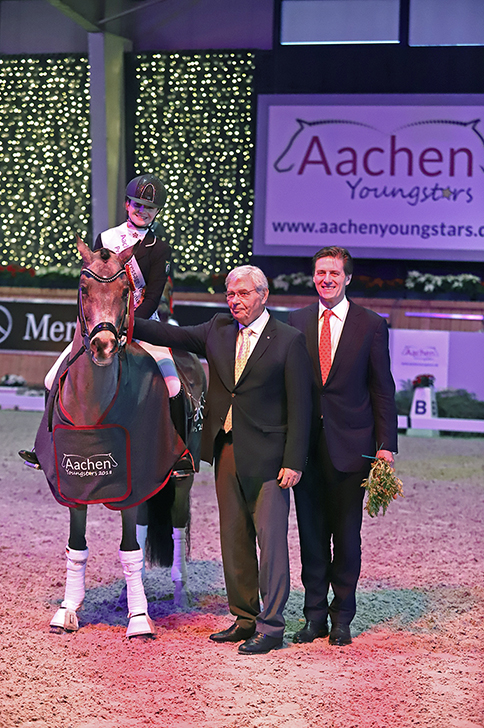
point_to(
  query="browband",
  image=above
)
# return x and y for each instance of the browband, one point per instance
(102, 279)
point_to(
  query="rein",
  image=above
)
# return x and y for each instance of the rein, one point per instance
(125, 328)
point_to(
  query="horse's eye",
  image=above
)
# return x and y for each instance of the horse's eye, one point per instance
(125, 294)
(84, 290)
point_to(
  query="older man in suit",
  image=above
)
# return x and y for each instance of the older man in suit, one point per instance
(355, 416)
(256, 428)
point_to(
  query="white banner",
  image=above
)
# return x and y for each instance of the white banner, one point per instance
(414, 352)
(389, 176)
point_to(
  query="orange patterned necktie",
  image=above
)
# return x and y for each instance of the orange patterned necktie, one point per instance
(240, 362)
(325, 345)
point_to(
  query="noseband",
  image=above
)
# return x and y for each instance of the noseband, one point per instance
(121, 334)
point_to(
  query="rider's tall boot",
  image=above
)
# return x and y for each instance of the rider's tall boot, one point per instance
(139, 622)
(179, 567)
(66, 617)
(28, 456)
(185, 466)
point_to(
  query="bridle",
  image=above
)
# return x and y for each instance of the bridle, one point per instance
(122, 334)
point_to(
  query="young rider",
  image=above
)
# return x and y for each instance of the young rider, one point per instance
(148, 271)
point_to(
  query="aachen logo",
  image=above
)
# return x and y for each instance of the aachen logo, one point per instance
(421, 353)
(93, 465)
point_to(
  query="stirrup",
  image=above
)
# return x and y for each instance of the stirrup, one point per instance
(184, 466)
(30, 458)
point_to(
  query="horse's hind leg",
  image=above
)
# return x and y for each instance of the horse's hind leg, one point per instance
(180, 515)
(76, 554)
(142, 531)
(132, 560)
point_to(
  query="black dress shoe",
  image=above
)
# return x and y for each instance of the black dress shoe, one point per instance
(234, 633)
(260, 644)
(340, 635)
(311, 631)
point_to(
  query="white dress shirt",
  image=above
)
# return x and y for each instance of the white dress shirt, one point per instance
(256, 327)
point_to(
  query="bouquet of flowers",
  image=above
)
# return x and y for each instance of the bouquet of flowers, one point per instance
(382, 486)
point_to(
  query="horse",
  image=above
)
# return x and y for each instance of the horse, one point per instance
(98, 439)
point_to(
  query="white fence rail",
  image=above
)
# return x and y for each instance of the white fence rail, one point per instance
(447, 424)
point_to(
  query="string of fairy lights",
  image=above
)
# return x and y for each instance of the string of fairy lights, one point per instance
(44, 158)
(193, 129)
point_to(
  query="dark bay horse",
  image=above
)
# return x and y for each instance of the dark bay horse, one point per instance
(106, 435)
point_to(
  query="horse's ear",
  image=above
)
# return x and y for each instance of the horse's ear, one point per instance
(84, 251)
(125, 255)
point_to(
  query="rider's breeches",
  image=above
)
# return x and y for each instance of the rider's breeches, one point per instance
(50, 376)
(163, 357)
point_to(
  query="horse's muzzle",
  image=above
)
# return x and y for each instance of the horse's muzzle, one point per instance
(103, 347)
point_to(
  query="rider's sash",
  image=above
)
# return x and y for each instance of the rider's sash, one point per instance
(118, 239)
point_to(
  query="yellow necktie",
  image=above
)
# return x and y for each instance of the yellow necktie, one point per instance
(240, 362)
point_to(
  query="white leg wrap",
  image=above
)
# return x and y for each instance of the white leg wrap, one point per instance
(179, 567)
(66, 617)
(75, 580)
(141, 534)
(139, 621)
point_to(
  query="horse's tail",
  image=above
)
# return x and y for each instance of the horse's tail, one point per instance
(159, 541)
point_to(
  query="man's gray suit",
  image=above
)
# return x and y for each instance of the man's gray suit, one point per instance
(271, 409)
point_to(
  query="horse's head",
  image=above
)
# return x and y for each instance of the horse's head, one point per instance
(104, 295)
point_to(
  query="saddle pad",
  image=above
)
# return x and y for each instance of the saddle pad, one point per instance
(92, 464)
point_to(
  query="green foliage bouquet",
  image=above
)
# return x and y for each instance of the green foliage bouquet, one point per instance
(382, 486)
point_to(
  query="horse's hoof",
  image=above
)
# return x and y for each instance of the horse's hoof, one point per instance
(181, 597)
(56, 630)
(140, 625)
(65, 619)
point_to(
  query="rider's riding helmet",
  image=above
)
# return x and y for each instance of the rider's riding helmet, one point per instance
(148, 190)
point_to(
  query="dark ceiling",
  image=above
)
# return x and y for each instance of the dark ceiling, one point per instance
(176, 24)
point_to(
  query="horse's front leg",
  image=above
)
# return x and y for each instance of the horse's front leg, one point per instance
(132, 561)
(76, 554)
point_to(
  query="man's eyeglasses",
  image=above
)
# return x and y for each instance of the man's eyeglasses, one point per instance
(243, 295)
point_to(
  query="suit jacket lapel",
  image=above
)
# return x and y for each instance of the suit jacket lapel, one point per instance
(226, 362)
(347, 339)
(142, 245)
(312, 342)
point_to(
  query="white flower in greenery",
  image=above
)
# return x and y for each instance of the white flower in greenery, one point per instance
(281, 282)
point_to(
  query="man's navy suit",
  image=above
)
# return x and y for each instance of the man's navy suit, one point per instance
(271, 411)
(354, 415)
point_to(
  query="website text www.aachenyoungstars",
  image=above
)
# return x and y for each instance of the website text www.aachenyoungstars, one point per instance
(381, 230)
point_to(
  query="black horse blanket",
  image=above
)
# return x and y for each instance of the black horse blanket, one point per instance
(127, 456)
